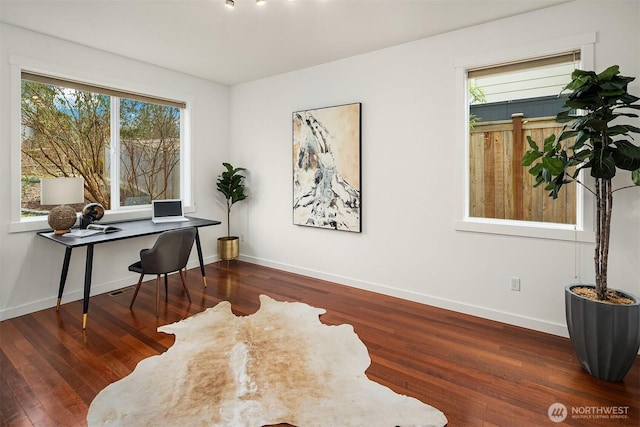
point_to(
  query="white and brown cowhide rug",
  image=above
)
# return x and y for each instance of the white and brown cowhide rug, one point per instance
(279, 365)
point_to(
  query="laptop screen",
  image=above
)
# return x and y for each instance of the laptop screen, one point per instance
(164, 208)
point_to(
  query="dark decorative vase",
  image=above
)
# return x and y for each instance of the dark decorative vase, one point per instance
(606, 337)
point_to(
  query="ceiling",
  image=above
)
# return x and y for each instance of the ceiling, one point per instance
(230, 46)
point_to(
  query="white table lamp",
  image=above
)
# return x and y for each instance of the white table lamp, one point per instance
(62, 192)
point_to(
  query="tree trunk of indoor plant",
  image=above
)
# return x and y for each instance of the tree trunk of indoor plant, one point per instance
(604, 201)
(230, 184)
(228, 246)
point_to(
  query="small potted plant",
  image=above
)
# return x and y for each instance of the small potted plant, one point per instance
(231, 184)
(604, 324)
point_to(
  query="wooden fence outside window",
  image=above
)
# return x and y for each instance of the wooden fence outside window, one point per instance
(500, 187)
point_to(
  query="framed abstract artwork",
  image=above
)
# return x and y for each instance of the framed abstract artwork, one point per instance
(326, 167)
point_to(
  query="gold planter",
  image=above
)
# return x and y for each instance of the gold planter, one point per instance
(228, 247)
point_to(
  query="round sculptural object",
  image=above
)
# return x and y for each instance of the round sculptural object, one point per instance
(91, 213)
(95, 211)
(61, 219)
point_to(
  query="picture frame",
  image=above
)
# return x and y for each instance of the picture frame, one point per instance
(326, 167)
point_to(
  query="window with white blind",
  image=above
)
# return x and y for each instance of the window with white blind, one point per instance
(503, 96)
(512, 101)
(129, 147)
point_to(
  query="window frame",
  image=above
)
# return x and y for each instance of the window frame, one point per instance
(18, 64)
(582, 231)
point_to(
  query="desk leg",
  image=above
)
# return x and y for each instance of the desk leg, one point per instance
(63, 275)
(199, 248)
(87, 285)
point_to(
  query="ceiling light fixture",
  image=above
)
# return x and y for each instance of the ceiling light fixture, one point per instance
(231, 3)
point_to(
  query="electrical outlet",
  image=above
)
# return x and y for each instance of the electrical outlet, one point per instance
(515, 283)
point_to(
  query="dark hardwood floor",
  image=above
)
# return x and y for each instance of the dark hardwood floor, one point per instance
(478, 372)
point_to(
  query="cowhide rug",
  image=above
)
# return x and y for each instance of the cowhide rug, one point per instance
(279, 365)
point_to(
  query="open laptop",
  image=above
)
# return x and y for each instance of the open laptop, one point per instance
(170, 210)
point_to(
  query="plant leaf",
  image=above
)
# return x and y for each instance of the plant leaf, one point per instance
(553, 165)
(549, 142)
(530, 157)
(568, 134)
(609, 73)
(603, 165)
(626, 155)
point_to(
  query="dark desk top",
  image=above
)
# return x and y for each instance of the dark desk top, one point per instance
(129, 229)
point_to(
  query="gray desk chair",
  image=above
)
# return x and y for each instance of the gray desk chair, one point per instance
(170, 253)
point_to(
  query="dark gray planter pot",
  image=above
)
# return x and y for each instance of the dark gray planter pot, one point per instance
(606, 337)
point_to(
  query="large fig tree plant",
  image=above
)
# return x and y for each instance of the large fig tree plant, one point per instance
(595, 138)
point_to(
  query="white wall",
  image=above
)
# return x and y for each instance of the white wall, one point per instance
(411, 170)
(30, 266)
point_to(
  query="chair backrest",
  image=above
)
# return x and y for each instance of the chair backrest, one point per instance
(169, 253)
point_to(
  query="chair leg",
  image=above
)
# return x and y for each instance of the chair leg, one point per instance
(184, 285)
(135, 293)
(157, 294)
(166, 288)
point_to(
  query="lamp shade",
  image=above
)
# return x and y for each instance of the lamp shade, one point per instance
(61, 191)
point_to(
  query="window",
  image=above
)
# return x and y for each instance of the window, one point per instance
(509, 102)
(128, 147)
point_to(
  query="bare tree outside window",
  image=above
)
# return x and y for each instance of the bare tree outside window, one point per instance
(150, 152)
(66, 131)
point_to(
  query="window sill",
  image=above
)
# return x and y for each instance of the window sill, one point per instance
(40, 223)
(536, 230)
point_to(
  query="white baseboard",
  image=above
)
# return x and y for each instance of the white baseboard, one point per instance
(78, 294)
(474, 310)
(486, 313)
